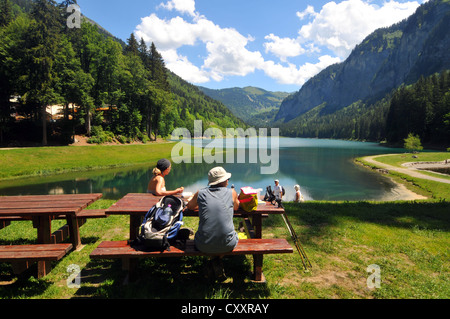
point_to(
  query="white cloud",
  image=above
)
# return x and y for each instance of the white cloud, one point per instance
(341, 26)
(182, 6)
(167, 34)
(308, 11)
(292, 74)
(226, 48)
(337, 27)
(283, 47)
(181, 66)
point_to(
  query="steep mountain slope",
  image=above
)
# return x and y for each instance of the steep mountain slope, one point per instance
(386, 59)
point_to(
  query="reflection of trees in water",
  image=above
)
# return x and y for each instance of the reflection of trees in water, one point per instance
(118, 184)
(112, 183)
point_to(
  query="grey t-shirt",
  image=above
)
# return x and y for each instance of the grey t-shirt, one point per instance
(216, 232)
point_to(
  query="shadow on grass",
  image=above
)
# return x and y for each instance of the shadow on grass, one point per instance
(169, 278)
(23, 285)
(318, 217)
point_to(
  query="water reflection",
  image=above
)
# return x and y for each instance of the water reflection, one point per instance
(323, 168)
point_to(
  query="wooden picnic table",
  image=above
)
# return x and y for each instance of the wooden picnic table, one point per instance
(138, 204)
(42, 209)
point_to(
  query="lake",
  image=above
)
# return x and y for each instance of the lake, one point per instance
(324, 169)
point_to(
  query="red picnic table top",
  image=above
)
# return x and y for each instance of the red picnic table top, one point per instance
(35, 205)
(42, 209)
(140, 203)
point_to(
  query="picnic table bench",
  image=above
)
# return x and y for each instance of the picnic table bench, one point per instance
(129, 255)
(137, 205)
(42, 209)
(21, 256)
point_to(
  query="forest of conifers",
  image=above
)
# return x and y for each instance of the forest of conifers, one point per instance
(422, 109)
(122, 89)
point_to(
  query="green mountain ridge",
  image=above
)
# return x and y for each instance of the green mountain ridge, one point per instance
(251, 104)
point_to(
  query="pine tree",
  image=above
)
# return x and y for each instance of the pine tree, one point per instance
(42, 43)
(144, 54)
(6, 14)
(132, 46)
(158, 71)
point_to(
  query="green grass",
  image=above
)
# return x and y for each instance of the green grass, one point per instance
(399, 159)
(409, 240)
(27, 162)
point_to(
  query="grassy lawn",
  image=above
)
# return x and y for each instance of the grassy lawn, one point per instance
(37, 161)
(409, 241)
(399, 159)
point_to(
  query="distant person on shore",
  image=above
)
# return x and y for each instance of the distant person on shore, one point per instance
(278, 190)
(157, 185)
(298, 195)
(278, 193)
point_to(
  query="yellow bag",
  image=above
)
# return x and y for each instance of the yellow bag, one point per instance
(242, 235)
(248, 199)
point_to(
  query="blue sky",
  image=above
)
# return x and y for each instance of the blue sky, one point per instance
(276, 45)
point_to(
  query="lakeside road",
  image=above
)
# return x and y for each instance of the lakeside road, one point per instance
(407, 171)
(401, 192)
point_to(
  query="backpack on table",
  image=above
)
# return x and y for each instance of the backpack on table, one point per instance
(159, 230)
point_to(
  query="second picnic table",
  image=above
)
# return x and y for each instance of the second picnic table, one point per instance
(42, 209)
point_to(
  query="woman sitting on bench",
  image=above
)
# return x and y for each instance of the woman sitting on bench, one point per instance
(157, 185)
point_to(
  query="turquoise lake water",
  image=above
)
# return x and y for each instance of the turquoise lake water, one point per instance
(324, 169)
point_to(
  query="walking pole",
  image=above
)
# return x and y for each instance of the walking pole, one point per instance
(298, 245)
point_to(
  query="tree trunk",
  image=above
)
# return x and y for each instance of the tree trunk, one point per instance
(88, 122)
(149, 124)
(44, 125)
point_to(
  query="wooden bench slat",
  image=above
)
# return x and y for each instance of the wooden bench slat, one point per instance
(31, 256)
(37, 247)
(86, 213)
(34, 211)
(92, 213)
(33, 252)
(37, 198)
(41, 204)
(121, 249)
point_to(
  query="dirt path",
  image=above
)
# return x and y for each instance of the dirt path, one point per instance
(407, 171)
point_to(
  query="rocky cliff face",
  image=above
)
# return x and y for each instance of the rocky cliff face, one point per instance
(385, 60)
